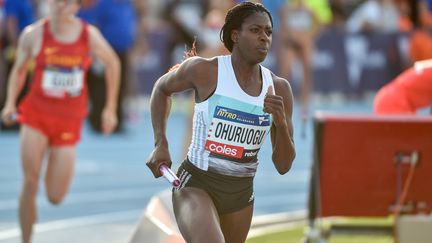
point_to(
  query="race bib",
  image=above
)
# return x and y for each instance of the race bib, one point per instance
(61, 82)
(236, 135)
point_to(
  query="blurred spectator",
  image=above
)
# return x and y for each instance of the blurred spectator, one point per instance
(117, 21)
(374, 16)
(420, 47)
(405, 23)
(339, 15)
(2, 61)
(211, 26)
(274, 7)
(299, 26)
(88, 11)
(18, 14)
(150, 57)
(322, 10)
(185, 18)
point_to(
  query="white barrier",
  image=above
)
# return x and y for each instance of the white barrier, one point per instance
(158, 224)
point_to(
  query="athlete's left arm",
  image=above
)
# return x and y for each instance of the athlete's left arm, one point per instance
(103, 51)
(280, 105)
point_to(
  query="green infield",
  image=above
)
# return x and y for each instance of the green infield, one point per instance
(296, 234)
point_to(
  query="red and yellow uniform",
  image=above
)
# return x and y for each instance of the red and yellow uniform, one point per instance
(57, 101)
(410, 91)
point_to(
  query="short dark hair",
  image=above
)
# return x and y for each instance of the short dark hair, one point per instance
(235, 18)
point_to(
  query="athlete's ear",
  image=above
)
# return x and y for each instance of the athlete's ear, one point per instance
(234, 36)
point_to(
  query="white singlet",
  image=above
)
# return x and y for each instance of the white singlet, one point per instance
(229, 127)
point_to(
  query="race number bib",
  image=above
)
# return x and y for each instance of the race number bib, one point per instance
(61, 82)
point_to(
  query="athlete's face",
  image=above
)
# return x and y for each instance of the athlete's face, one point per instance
(254, 38)
(64, 7)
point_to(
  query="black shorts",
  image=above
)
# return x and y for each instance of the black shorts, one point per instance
(229, 193)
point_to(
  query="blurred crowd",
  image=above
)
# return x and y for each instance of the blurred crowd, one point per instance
(152, 35)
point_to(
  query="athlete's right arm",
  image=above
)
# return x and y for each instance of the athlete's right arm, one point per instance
(177, 80)
(18, 73)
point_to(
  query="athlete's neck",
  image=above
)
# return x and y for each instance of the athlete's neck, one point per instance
(244, 71)
(61, 24)
(66, 29)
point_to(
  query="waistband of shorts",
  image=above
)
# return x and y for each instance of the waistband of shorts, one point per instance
(193, 169)
(232, 168)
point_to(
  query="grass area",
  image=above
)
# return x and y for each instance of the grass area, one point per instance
(295, 234)
(289, 236)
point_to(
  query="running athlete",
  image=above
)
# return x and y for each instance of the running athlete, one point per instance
(53, 111)
(238, 102)
(407, 93)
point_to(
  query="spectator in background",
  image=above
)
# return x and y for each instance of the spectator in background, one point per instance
(87, 11)
(117, 21)
(274, 7)
(299, 26)
(185, 18)
(405, 23)
(18, 14)
(338, 15)
(374, 16)
(322, 10)
(212, 23)
(2, 61)
(420, 46)
(149, 57)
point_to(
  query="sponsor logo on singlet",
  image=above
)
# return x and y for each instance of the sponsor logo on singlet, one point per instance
(61, 60)
(235, 134)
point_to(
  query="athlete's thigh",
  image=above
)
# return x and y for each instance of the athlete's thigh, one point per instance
(196, 216)
(60, 169)
(33, 147)
(235, 226)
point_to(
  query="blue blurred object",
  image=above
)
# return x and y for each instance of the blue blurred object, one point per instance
(116, 20)
(22, 10)
(88, 13)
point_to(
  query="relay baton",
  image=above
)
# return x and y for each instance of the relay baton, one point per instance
(169, 175)
(15, 118)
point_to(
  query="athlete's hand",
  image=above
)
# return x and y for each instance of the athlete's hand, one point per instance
(109, 120)
(274, 105)
(160, 155)
(8, 115)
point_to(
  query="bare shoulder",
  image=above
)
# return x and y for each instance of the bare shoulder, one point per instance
(198, 68)
(199, 64)
(200, 73)
(33, 31)
(31, 37)
(93, 32)
(282, 86)
(92, 29)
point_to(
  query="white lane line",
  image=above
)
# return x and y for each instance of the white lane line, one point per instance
(91, 196)
(74, 223)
